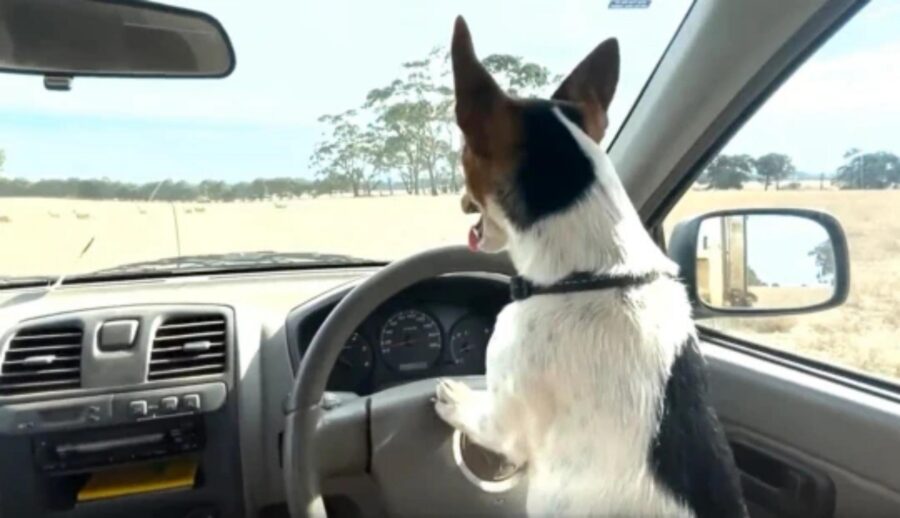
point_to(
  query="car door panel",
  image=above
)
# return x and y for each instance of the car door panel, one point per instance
(821, 432)
(779, 484)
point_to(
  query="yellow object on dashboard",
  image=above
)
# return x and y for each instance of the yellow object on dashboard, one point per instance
(160, 476)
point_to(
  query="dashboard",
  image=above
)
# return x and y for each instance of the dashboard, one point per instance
(440, 327)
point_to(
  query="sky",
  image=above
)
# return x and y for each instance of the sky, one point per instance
(297, 60)
(844, 96)
(778, 249)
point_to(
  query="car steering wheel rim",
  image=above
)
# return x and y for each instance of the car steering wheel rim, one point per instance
(362, 429)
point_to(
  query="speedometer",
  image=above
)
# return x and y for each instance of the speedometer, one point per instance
(410, 341)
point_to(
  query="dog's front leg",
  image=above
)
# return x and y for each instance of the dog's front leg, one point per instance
(485, 417)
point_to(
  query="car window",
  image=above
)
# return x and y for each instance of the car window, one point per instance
(333, 140)
(828, 139)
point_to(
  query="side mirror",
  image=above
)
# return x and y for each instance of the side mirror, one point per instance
(762, 262)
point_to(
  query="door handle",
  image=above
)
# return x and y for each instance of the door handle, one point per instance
(776, 485)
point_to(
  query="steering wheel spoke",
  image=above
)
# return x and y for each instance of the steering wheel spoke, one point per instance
(395, 436)
(342, 437)
(414, 460)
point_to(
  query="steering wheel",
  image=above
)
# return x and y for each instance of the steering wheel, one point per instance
(393, 436)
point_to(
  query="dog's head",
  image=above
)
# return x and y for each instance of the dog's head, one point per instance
(521, 160)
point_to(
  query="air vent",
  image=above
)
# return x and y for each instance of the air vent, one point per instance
(189, 345)
(42, 359)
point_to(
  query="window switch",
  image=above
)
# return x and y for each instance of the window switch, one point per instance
(192, 402)
(137, 409)
(168, 404)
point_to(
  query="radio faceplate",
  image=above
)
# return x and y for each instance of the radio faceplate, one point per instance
(88, 450)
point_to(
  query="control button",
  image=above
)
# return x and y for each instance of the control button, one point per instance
(116, 335)
(168, 404)
(93, 414)
(137, 408)
(191, 402)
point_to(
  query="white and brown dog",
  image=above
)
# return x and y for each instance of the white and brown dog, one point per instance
(595, 383)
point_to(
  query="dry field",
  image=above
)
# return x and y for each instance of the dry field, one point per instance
(47, 236)
(790, 296)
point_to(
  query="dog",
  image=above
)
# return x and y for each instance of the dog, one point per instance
(595, 383)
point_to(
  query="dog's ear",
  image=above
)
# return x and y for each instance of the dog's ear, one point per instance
(478, 97)
(592, 85)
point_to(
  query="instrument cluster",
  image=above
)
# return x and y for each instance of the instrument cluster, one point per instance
(436, 329)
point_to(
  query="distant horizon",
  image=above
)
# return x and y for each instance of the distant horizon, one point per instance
(4, 175)
(295, 65)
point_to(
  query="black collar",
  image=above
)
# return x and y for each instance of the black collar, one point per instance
(521, 288)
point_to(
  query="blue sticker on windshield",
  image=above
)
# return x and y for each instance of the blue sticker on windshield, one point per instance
(629, 4)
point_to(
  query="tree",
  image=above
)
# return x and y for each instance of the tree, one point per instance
(382, 156)
(177, 191)
(451, 176)
(2, 159)
(416, 124)
(727, 172)
(165, 190)
(824, 257)
(753, 279)
(516, 76)
(213, 190)
(774, 167)
(878, 170)
(340, 158)
(409, 118)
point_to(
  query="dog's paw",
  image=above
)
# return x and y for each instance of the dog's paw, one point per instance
(452, 398)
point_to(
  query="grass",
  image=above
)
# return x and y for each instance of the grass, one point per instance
(41, 236)
(768, 325)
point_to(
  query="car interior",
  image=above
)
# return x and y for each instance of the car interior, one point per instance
(293, 391)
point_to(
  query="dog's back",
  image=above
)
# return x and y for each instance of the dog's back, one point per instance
(602, 393)
(617, 414)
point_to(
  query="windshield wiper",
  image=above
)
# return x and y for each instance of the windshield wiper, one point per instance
(221, 263)
(25, 282)
(196, 264)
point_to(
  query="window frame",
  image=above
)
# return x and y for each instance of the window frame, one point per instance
(742, 108)
(662, 203)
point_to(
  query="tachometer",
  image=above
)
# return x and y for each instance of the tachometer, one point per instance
(354, 363)
(410, 341)
(468, 340)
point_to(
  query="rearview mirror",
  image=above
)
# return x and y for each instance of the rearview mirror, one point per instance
(762, 262)
(65, 38)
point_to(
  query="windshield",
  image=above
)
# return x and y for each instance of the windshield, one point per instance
(333, 140)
